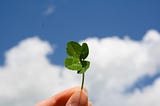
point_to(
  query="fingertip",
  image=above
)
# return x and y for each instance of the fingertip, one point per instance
(79, 98)
(89, 104)
(85, 90)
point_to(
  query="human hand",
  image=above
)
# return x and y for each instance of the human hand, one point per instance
(71, 97)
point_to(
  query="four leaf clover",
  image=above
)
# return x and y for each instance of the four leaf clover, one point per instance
(76, 58)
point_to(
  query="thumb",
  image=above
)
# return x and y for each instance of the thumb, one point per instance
(79, 98)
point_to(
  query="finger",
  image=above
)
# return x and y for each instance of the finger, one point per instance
(59, 99)
(79, 98)
(89, 104)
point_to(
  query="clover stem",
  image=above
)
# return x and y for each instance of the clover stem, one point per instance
(82, 81)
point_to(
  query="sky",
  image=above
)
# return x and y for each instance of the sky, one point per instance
(124, 41)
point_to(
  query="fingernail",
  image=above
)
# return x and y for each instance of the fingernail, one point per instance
(73, 104)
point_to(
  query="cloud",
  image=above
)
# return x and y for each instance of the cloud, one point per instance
(28, 76)
(49, 10)
(116, 64)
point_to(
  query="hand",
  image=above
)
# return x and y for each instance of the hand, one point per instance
(71, 97)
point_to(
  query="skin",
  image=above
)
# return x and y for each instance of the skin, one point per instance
(70, 97)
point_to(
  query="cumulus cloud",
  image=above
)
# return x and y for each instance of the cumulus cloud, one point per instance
(116, 64)
(28, 76)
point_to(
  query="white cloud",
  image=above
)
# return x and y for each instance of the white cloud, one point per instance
(49, 10)
(28, 76)
(118, 63)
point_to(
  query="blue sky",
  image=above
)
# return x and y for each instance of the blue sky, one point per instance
(59, 21)
(74, 20)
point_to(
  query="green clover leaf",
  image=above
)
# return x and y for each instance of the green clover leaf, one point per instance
(85, 66)
(73, 63)
(73, 49)
(76, 58)
(84, 51)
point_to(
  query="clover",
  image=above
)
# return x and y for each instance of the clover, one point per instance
(76, 58)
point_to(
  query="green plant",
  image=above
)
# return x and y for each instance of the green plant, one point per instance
(76, 58)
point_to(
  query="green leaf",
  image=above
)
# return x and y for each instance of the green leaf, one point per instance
(85, 66)
(73, 63)
(73, 49)
(84, 51)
